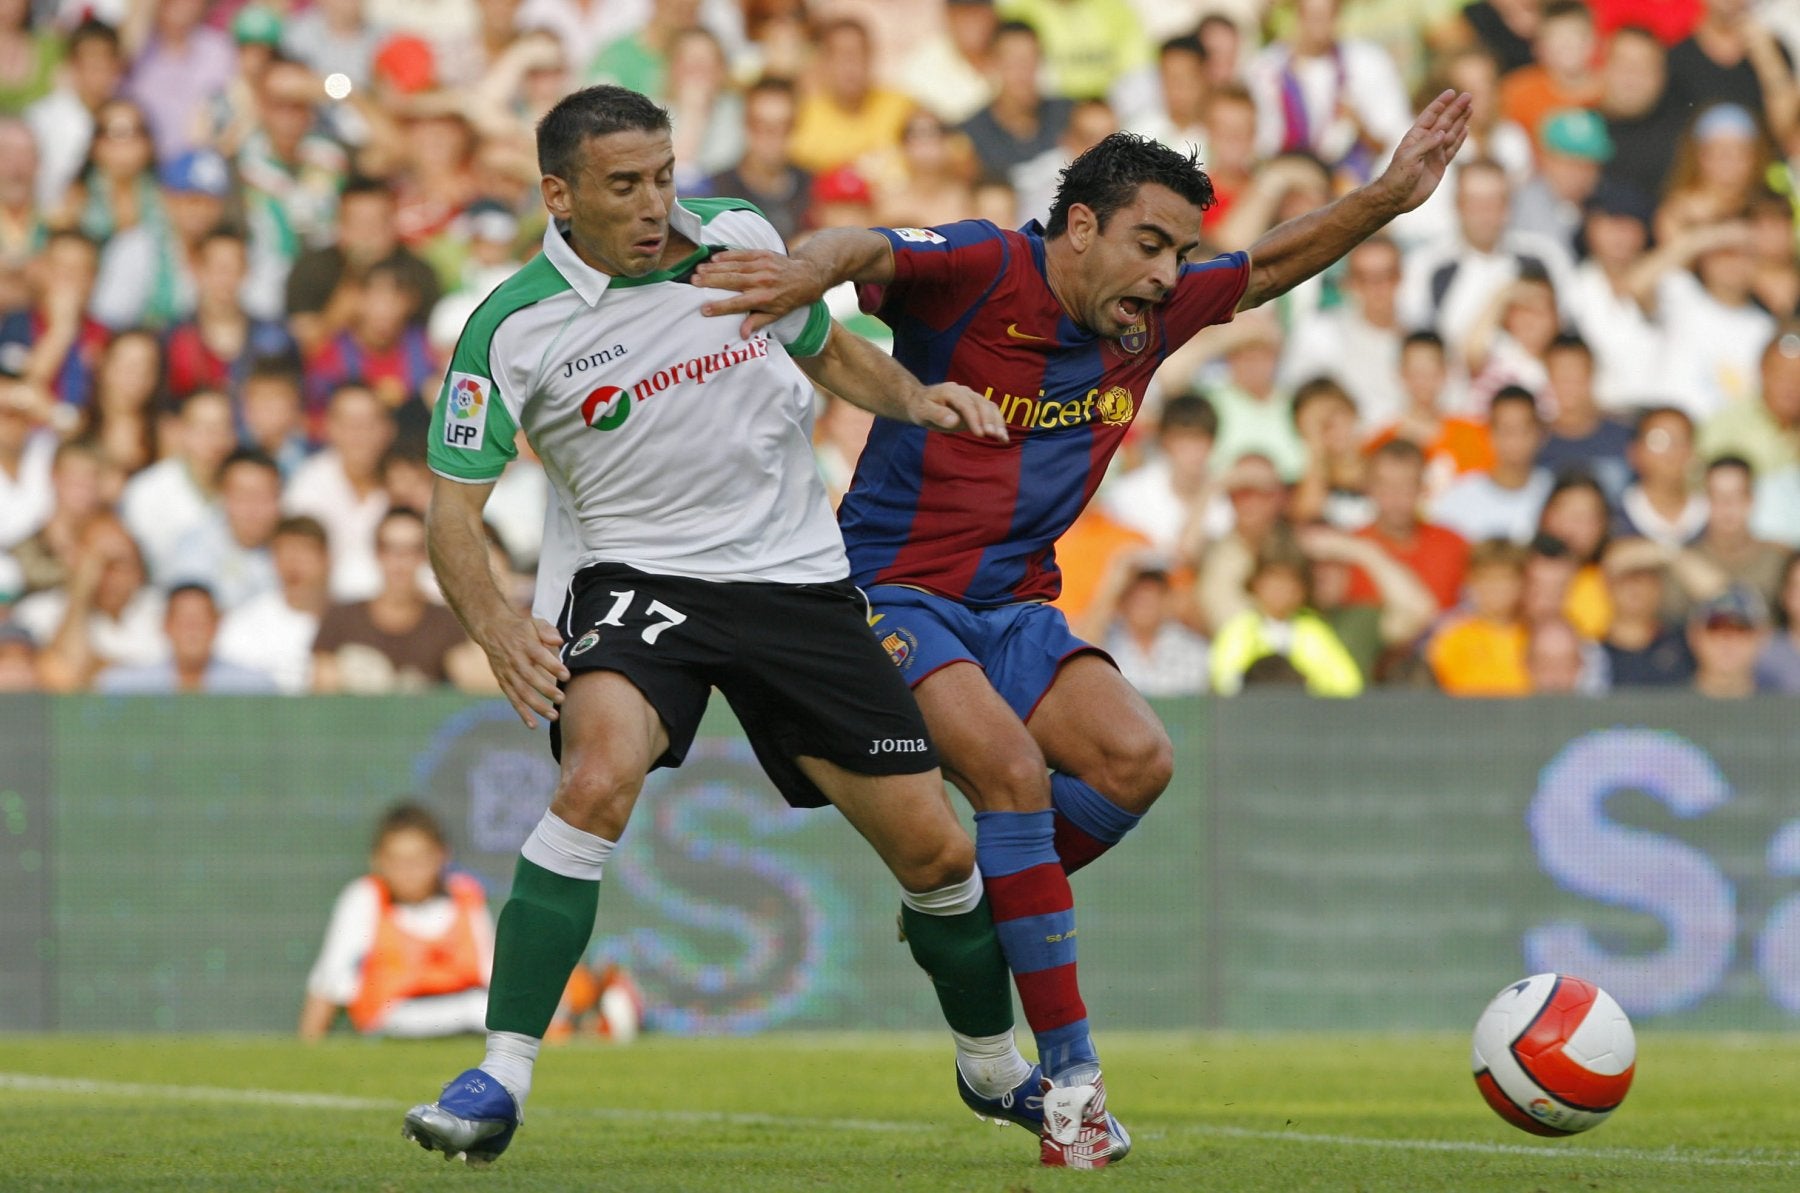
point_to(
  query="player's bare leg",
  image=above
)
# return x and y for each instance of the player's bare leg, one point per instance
(990, 755)
(1108, 769)
(610, 737)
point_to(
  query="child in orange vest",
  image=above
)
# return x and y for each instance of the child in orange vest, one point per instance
(410, 947)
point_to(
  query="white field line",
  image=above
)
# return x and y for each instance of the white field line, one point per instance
(31, 1083)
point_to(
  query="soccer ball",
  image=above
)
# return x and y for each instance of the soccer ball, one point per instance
(1553, 1055)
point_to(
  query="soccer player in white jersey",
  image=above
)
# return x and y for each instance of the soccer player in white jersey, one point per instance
(689, 545)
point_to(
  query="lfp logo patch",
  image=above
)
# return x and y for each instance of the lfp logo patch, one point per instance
(466, 426)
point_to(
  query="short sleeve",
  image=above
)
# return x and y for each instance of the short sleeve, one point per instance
(1205, 294)
(472, 432)
(803, 332)
(939, 273)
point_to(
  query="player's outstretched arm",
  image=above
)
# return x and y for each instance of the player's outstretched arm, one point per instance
(521, 650)
(1289, 253)
(865, 376)
(770, 285)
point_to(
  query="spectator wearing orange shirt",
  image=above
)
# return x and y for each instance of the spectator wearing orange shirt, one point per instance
(1452, 446)
(1562, 73)
(1439, 557)
(1482, 652)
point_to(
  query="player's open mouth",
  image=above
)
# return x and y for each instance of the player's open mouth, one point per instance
(651, 245)
(1129, 309)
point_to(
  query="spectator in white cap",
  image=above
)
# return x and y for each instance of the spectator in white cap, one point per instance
(1573, 146)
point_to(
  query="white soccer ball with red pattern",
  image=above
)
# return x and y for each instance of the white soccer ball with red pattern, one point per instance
(1554, 1055)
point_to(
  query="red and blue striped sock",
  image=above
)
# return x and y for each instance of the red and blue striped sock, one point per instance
(1034, 916)
(1087, 823)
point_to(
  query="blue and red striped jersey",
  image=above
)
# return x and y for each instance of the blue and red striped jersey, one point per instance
(968, 518)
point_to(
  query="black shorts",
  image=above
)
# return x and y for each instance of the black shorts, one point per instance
(797, 662)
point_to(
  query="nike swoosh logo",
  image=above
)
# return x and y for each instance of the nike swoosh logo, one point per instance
(1012, 329)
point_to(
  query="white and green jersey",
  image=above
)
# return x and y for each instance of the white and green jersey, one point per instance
(672, 445)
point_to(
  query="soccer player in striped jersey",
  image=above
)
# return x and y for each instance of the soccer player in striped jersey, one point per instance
(1061, 327)
(689, 546)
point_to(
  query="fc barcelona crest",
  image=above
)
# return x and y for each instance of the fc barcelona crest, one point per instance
(901, 647)
(1135, 339)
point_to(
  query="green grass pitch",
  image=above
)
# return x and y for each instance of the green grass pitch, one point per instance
(873, 1112)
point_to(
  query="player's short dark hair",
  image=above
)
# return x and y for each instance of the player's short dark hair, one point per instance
(1497, 552)
(596, 111)
(276, 368)
(1189, 412)
(1109, 175)
(1513, 395)
(363, 186)
(1481, 165)
(841, 24)
(409, 817)
(92, 30)
(1320, 389)
(303, 526)
(190, 586)
(1212, 19)
(772, 85)
(1403, 451)
(73, 236)
(225, 231)
(1661, 411)
(1568, 341)
(1423, 338)
(1013, 29)
(253, 457)
(1188, 43)
(400, 513)
(402, 452)
(1566, 8)
(1731, 461)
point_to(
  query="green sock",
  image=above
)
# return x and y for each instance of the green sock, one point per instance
(541, 934)
(961, 955)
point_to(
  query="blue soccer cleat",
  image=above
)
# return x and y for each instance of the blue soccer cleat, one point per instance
(472, 1121)
(1023, 1105)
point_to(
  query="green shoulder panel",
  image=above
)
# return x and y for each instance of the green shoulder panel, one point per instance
(472, 431)
(535, 282)
(710, 209)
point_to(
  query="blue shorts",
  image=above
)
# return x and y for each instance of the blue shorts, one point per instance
(1019, 646)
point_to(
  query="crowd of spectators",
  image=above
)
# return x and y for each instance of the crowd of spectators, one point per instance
(1540, 435)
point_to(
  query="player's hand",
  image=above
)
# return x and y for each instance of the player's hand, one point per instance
(1425, 151)
(768, 285)
(952, 407)
(523, 654)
